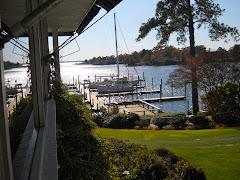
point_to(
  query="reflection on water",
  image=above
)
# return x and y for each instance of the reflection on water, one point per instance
(16, 76)
(72, 72)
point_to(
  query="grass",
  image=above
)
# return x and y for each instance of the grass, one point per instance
(216, 151)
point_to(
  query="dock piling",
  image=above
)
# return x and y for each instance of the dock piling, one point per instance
(152, 83)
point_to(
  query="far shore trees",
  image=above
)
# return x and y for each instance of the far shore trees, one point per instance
(182, 17)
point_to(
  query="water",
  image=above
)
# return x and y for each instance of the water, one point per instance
(71, 72)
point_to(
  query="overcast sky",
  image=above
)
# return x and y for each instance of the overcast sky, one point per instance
(99, 40)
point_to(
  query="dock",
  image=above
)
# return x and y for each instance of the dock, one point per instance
(162, 99)
(130, 93)
(138, 106)
(17, 98)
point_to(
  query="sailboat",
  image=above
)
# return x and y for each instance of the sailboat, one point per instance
(119, 84)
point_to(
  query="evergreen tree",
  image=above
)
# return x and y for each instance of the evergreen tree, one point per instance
(182, 16)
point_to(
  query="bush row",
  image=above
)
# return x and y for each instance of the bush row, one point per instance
(230, 119)
(116, 121)
(131, 161)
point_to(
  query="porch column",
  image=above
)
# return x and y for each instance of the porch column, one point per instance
(56, 55)
(34, 35)
(45, 57)
(5, 151)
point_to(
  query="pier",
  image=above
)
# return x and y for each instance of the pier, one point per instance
(138, 106)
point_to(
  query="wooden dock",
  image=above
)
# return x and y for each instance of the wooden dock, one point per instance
(130, 93)
(138, 106)
(17, 98)
(163, 99)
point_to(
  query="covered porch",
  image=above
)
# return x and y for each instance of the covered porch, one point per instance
(36, 157)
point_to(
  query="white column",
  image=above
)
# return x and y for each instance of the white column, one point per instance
(6, 172)
(56, 55)
(45, 56)
(34, 35)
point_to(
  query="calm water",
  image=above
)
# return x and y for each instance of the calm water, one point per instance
(71, 72)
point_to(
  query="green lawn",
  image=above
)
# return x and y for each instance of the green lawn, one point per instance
(216, 151)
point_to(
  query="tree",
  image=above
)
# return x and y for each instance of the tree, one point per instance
(235, 51)
(211, 72)
(223, 98)
(181, 16)
(177, 54)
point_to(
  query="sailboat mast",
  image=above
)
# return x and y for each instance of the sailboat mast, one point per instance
(116, 45)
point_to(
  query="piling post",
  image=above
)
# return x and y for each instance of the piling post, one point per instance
(89, 96)
(152, 83)
(172, 89)
(161, 90)
(140, 84)
(132, 93)
(109, 106)
(185, 91)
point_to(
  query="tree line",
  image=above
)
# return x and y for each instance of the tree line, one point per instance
(165, 56)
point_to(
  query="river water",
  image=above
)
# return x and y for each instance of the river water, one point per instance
(70, 72)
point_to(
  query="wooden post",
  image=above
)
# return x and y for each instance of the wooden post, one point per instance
(132, 93)
(152, 83)
(161, 90)
(83, 91)
(16, 99)
(89, 92)
(172, 89)
(186, 91)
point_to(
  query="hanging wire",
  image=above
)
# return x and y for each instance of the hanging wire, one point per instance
(72, 52)
(125, 43)
(20, 46)
(71, 38)
(23, 42)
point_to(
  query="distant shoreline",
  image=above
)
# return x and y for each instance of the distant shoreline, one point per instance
(10, 65)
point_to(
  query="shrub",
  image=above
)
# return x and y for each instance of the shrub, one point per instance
(18, 121)
(132, 161)
(227, 119)
(177, 122)
(187, 170)
(161, 121)
(169, 127)
(120, 121)
(98, 119)
(80, 154)
(143, 122)
(200, 122)
(222, 98)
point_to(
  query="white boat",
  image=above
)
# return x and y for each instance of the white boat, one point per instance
(118, 84)
(115, 88)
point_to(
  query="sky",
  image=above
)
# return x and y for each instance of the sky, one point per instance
(99, 40)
